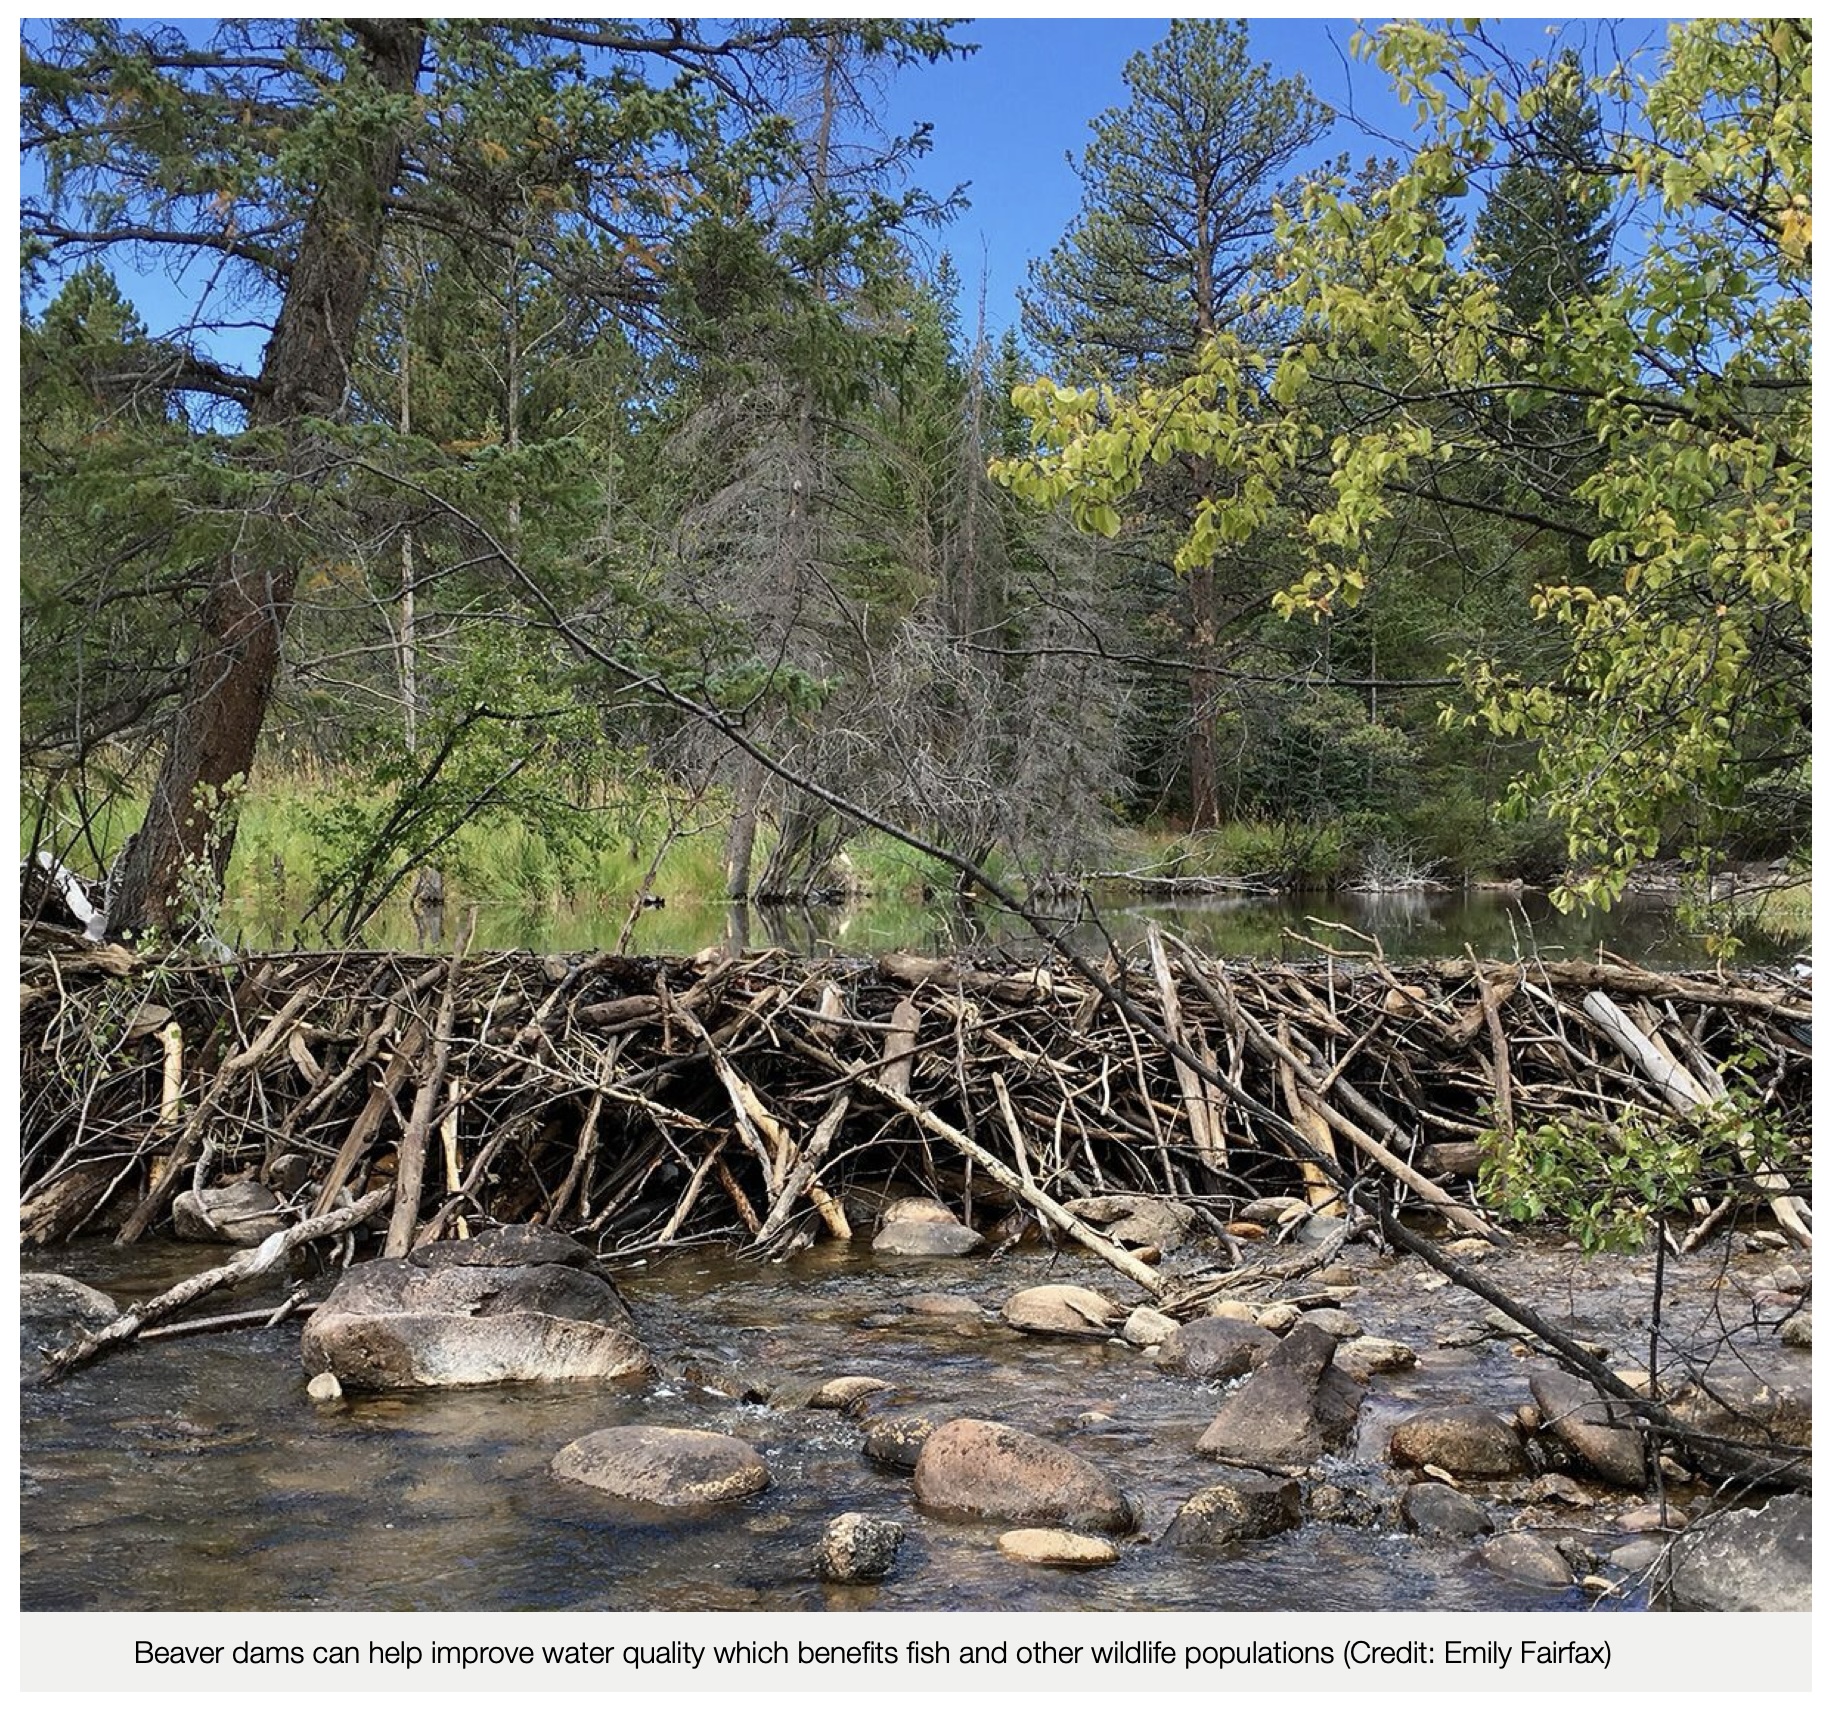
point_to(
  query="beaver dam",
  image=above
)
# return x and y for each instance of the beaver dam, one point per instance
(641, 1102)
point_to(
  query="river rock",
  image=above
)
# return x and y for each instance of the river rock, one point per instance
(980, 1467)
(1649, 1518)
(450, 1313)
(926, 1239)
(1290, 1411)
(50, 1302)
(1335, 1321)
(1469, 1442)
(1438, 1510)
(896, 1440)
(326, 1387)
(1275, 1212)
(1241, 1505)
(1591, 1428)
(857, 1548)
(1744, 1560)
(1279, 1317)
(1137, 1220)
(847, 1393)
(672, 1466)
(1798, 1330)
(1744, 1407)
(1216, 1349)
(1147, 1328)
(947, 1306)
(1527, 1560)
(915, 1210)
(1061, 1309)
(1364, 1357)
(242, 1214)
(1057, 1549)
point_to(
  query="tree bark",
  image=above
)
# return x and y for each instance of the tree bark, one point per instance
(189, 823)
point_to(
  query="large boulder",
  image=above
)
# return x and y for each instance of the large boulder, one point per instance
(510, 1305)
(1470, 1442)
(1294, 1408)
(1216, 1349)
(1749, 1411)
(1242, 1505)
(1061, 1309)
(52, 1309)
(1744, 1560)
(981, 1468)
(669, 1466)
(1597, 1432)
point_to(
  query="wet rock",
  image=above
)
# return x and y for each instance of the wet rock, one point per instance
(1137, 1220)
(1145, 1327)
(1636, 1555)
(847, 1393)
(1649, 1518)
(1527, 1560)
(512, 1244)
(1336, 1276)
(1364, 1357)
(896, 1440)
(52, 1304)
(1351, 1506)
(1240, 1505)
(1470, 1442)
(1744, 1560)
(1279, 1317)
(1440, 1511)
(982, 1468)
(926, 1240)
(671, 1466)
(1061, 1309)
(1050, 1546)
(948, 1306)
(1751, 1410)
(242, 1214)
(857, 1548)
(1290, 1411)
(1591, 1428)
(1216, 1349)
(436, 1319)
(1560, 1489)
(1798, 1330)
(915, 1210)
(325, 1387)
(1275, 1212)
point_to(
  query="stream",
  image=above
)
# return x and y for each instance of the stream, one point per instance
(195, 1474)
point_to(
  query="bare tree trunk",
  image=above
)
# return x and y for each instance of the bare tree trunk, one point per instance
(1202, 699)
(305, 374)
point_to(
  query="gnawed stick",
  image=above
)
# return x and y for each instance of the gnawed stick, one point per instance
(1203, 1120)
(1051, 1209)
(246, 1267)
(257, 1317)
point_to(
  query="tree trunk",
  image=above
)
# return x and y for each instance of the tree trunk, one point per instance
(181, 854)
(1202, 698)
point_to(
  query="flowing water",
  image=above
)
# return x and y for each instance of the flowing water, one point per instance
(196, 1474)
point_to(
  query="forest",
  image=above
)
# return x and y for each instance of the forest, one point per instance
(579, 466)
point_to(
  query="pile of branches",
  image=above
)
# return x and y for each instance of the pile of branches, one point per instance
(646, 1102)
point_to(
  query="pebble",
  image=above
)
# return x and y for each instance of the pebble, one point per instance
(325, 1387)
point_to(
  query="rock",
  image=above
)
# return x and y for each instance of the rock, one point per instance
(1145, 1327)
(1319, 1230)
(1366, 1356)
(450, 1315)
(242, 1214)
(325, 1387)
(1744, 1560)
(979, 1467)
(896, 1440)
(1527, 1560)
(1798, 1330)
(1336, 1276)
(1469, 1442)
(1137, 1220)
(857, 1548)
(958, 1306)
(1648, 1518)
(1440, 1511)
(926, 1240)
(1291, 1410)
(671, 1466)
(1233, 1309)
(1241, 1505)
(1061, 1309)
(915, 1211)
(1274, 1212)
(1470, 1247)
(1279, 1317)
(1335, 1321)
(847, 1393)
(1245, 1231)
(1742, 1406)
(1351, 1506)
(1558, 1488)
(51, 1303)
(1057, 1549)
(1636, 1555)
(1216, 1349)
(1586, 1424)
(512, 1244)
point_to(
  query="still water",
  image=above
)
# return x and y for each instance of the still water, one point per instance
(196, 1475)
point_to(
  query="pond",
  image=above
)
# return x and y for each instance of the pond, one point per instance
(196, 1475)
(1409, 926)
